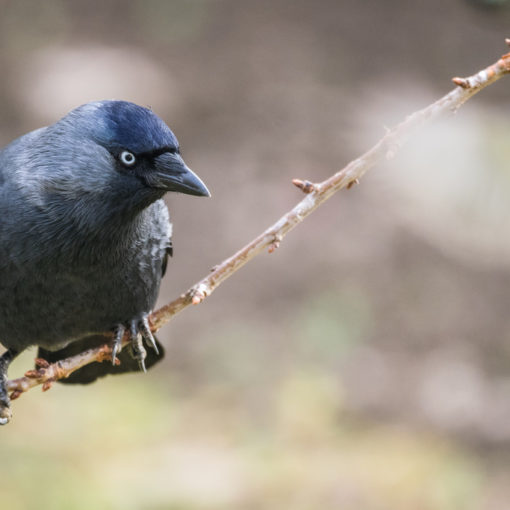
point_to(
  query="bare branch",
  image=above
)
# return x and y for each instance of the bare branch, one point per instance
(316, 194)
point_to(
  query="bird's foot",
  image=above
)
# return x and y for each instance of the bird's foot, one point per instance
(139, 330)
(5, 413)
(5, 407)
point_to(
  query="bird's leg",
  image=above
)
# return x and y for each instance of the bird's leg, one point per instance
(117, 342)
(139, 331)
(5, 410)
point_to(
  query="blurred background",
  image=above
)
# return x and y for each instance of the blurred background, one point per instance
(364, 365)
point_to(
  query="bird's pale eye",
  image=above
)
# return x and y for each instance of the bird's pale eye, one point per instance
(127, 158)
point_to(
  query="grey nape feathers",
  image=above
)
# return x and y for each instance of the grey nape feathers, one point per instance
(85, 234)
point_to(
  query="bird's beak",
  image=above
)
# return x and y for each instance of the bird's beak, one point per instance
(172, 174)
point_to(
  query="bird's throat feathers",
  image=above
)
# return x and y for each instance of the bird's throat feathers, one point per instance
(107, 214)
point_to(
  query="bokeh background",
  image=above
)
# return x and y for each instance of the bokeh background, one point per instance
(364, 365)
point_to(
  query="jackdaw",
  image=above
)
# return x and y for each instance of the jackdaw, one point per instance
(85, 234)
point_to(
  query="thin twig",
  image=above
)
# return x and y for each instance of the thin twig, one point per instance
(316, 194)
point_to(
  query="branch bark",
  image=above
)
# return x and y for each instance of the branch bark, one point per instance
(316, 194)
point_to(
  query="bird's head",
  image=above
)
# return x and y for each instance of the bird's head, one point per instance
(139, 145)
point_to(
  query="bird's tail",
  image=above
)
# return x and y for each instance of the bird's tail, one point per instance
(89, 373)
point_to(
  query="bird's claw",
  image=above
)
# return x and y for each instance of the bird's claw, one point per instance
(145, 330)
(117, 342)
(5, 414)
(5, 408)
(5, 403)
(137, 349)
(139, 330)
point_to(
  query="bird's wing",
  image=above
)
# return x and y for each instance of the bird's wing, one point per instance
(169, 251)
(164, 228)
(15, 155)
(2, 177)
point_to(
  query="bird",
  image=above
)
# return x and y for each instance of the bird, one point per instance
(85, 235)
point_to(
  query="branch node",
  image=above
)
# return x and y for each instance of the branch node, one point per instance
(35, 374)
(104, 354)
(504, 61)
(393, 145)
(352, 183)
(275, 243)
(48, 384)
(60, 372)
(41, 363)
(304, 186)
(198, 294)
(15, 394)
(462, 82)
(391, 153)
